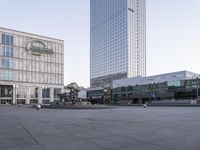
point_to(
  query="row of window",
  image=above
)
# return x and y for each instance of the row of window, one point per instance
(6, 75)
(30, 66)
(22, 53)
(6, 51)
(6, 63)
(21, 92)
(16, 40)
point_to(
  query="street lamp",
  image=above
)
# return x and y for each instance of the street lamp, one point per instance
(15, 87)
(197, 87)
(153, 89)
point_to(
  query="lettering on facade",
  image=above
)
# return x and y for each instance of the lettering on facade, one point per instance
(38, 47)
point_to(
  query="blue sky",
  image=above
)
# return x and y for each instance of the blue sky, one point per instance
(173, 32)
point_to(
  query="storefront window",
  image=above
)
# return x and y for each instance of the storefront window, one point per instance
(6, 91)
(33, 92)
(56, 92)
(21, 92)
(46, 93)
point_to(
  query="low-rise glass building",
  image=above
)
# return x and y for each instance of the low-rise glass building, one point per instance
(181, 86)
(31, 67)
(95, 95)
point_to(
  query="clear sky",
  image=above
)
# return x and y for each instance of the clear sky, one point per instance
(173, 32)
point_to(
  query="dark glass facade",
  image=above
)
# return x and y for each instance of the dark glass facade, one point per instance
(138, 94)
(174, 90)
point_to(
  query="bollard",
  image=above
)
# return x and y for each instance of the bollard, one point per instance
(38, 106)
(145, 105)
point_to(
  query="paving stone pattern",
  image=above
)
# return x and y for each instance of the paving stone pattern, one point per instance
(119, 128)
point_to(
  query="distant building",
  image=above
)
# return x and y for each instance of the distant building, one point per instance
(182, 86)
(118, 40)
(172, 79)
(31, 67)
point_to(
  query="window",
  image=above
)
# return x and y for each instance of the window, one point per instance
(11, 40)
(3, 39)
(11, 52)
(6, 51)
(6, 63)
(174, 83)
(6, 75)
(7, 40)
(56, 92)
(1, 51)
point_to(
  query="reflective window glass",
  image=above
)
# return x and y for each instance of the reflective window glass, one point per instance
(7, 52)
(3, 38)
(7, 39)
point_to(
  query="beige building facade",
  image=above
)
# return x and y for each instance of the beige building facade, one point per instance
(31, 67)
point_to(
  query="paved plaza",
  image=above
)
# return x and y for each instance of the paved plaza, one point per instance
(119, 128)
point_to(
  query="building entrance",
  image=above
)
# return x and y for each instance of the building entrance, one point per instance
(5, 101)
(6, 94)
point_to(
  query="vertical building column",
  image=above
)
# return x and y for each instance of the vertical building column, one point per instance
(40, 95)
(51, 94)
(14, 96)
(15, 87)
(27, 101)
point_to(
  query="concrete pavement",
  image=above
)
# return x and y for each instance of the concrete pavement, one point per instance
(120, 128)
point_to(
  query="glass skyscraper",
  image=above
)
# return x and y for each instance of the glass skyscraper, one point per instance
(117, 40)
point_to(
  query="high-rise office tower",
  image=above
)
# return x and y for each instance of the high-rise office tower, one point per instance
(117, 40)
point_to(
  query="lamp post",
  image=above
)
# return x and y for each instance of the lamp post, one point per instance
(197, 88)
(154, 90)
